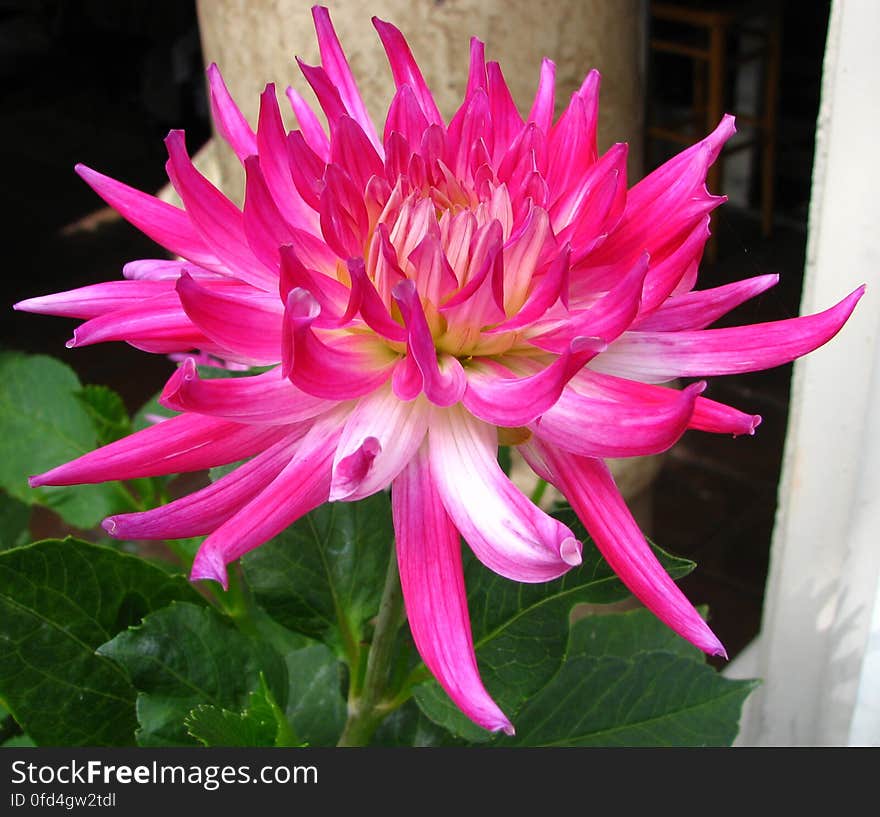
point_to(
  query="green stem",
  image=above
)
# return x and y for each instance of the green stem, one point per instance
(366, 707)
(538, 491)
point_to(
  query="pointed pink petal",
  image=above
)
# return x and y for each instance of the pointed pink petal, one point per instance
(353, 152)
(434, 278)
(198, 513)
(188, 442)
(230, 121)
(497, 397)
(405, 118)
(164, 223)
(264, 226)
(336, 65)
(306, 169)
(404, 69)
(697, 309)
(660, 356)
(542, 108)
(326, 92)
(237, 317)
(272, 143)
(342, 367)
(392, 432)
(344, 220)
(506, 121)
(265, 398)
(505, 530)
(312, 131)
(592, 427)
(331, 295)
(300, 487)
(588, 485)
(214, 215)
(95, 299)
(610, 316)
(161, 269)
(372, 308)
(432, 580)
(571, 147)
(159, 324)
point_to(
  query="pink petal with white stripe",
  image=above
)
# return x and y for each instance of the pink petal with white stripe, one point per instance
(432, 580)
(95, 299)
(507, 533)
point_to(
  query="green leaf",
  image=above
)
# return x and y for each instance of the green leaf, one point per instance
(14, 519)
(624, 683)
(409, 726)
(107, 411)
(184, 656)
(323, 576)
(43, 424)
(261, 723)
(315, 705)
(520, 630)
(59, 600)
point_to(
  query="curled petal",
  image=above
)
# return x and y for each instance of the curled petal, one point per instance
(496, 397)
(380, 437)
(588, 485)
(237, 317)
(507, 533)
(432, 580)
(340, 368)
(266, 398)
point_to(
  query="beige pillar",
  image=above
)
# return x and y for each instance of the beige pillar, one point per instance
(255, 41)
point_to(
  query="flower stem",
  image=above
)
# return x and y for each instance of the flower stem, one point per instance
(366, 707)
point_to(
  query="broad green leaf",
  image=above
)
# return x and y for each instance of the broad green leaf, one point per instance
(43, 424)
(59, 600)
(521, 630)
(261, 723)
(184, 656)
(107, 411)
(315, 705)
(612, 691)
(409, 726)
(323, 576)
(14, 519)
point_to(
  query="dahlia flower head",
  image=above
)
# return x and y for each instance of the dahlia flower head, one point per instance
(421, 296)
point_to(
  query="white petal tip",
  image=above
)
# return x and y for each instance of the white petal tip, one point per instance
(570, 551)
(109, 525)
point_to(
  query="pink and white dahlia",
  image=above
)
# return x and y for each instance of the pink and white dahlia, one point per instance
(421, 296)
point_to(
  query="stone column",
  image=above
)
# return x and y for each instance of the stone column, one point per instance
(255, 42)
